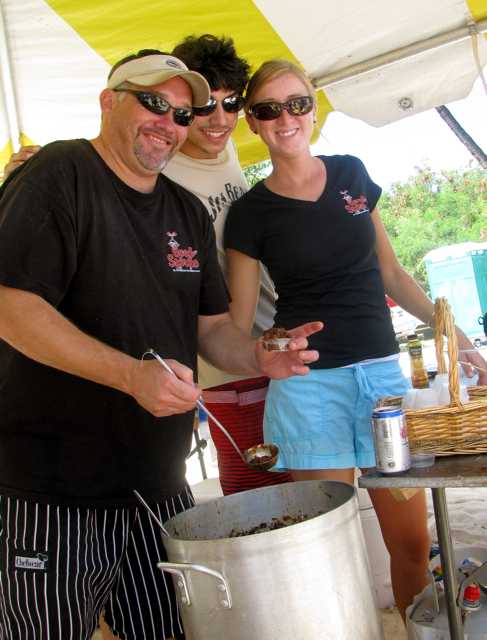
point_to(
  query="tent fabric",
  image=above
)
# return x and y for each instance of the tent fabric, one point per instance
(60, 53)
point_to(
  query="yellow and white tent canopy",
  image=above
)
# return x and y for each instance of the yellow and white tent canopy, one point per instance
(379, 61)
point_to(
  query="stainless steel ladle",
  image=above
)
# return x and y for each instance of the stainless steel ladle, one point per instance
(152, 514)
(259, 458)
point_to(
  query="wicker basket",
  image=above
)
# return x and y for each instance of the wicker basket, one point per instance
(451, 429)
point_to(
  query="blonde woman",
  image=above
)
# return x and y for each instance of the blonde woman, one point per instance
(315, 225)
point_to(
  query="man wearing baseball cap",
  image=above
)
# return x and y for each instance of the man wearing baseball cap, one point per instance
(85, 291)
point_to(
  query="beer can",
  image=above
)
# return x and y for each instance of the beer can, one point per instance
(391, 442)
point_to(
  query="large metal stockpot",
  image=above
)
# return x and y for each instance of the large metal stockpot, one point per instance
(309, 579)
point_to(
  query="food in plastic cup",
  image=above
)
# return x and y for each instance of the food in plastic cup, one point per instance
(422, 458)
(276, 339)
(281, 344)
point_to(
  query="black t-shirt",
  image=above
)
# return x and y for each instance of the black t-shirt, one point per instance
(322, 258)
(133, 270)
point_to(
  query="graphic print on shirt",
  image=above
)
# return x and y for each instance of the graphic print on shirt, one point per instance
(356, 207)
(218, 202)
(181, 259)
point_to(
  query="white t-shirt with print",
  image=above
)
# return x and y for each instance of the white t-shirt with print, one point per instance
(218, 183)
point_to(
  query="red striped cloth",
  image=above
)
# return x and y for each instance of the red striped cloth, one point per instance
(239, 406)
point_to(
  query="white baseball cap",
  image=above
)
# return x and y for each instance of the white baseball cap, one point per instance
(157, 68)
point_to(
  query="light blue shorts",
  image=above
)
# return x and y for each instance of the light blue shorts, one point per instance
(324, 420)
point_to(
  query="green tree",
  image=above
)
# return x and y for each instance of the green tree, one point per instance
(434, 209)
(257, 172)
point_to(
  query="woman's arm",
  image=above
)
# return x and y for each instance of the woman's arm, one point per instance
(243, 285)
(399, 285)
(406, 292)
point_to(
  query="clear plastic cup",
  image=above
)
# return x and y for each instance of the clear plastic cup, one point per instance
(409, 400)
(422, 458)
(426, 398)
(444, 395)
(439, 380)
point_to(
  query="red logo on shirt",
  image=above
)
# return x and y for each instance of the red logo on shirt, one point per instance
(181, 259)
(355, 206)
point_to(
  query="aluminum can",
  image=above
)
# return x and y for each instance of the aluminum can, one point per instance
(391, 442)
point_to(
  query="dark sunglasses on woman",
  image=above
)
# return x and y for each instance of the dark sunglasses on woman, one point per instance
(272, 110)
(156, 104)
(232, 104)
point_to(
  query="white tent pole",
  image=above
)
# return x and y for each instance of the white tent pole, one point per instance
(8, 86)
(475, 47)
(400, 54)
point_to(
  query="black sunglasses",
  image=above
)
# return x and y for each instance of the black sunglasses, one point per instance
(156, 104)
(232, 104)
(272, 110)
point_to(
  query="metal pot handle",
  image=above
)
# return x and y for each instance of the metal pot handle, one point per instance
(178, 569)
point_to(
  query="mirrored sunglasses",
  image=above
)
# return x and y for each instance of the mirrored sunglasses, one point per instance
(156, 104)
(232, 104)
(272, 110)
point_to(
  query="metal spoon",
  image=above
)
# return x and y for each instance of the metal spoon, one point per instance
(161, 526)
(259, 458)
